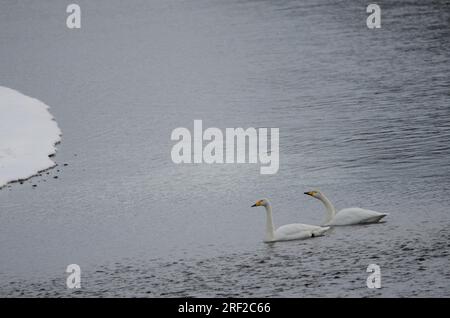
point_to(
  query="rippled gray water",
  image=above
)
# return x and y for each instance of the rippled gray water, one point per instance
(364, 115)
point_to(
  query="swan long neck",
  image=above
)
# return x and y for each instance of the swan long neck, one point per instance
(270, 235)
(331, 211)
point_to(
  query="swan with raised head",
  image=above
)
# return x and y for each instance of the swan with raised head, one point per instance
(287, 232)
(349, 216)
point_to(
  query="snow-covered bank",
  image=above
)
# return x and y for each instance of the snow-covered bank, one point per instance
(28, 134)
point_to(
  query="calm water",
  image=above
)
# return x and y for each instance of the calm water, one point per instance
(364, 115)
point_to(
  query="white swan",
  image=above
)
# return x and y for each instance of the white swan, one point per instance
(287, 232)
(348, 216)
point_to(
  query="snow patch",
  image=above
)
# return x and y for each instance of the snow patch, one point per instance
(28, 135)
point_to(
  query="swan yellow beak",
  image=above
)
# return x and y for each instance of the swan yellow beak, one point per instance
(258, 203)
(311, 193)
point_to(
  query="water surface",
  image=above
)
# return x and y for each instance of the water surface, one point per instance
(363, 115)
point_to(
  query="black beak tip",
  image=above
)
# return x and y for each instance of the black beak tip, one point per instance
(306, 193)
(253, 205)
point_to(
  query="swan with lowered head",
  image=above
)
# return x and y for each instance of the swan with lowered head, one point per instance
(287, 232)
(349, 216)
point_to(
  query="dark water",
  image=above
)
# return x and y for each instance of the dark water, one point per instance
(364, 115)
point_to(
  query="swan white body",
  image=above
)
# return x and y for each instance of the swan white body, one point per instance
(349, 216)
(289, 232)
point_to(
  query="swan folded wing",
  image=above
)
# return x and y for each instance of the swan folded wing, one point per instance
(297, 230)
(357, 216)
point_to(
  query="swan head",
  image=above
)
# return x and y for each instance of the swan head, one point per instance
(262, 202)
(315, 194)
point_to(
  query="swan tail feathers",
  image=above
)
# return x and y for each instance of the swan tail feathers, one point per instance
(377, 218)
(319, 232)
